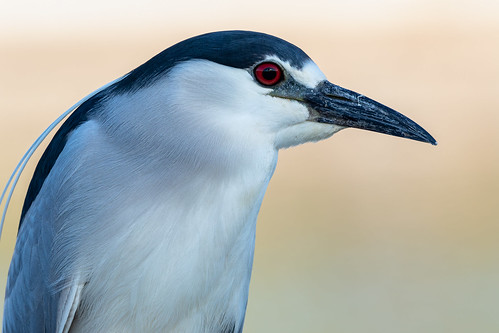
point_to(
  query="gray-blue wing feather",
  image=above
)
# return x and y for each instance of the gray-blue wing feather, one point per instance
(30, 304)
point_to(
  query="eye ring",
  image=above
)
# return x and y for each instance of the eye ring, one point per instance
(268, 73)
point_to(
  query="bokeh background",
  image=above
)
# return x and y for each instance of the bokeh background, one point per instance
(360, 233)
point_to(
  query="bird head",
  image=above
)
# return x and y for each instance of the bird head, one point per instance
(249, 83)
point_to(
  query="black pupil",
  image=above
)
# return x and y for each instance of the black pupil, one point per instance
(269, 73)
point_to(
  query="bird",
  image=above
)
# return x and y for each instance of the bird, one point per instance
(141, 213)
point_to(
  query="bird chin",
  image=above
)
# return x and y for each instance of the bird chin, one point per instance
(304, 132)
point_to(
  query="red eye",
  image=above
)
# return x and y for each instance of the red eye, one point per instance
(268, 73)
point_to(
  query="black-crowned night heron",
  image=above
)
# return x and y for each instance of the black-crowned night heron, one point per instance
(141, 213)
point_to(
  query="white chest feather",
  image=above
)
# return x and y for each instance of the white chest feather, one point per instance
(178, 249)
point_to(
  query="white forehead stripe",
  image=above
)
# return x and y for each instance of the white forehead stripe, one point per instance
(309, 75)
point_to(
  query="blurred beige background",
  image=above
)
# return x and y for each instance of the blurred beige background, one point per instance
(360, 233)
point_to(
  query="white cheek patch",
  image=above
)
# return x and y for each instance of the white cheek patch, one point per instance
(309, 75)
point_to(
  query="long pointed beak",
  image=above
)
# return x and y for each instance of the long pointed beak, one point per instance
(336, 105)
